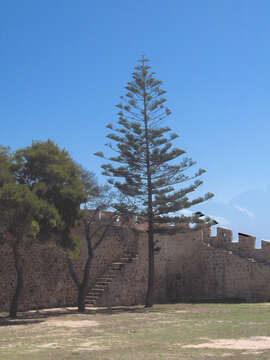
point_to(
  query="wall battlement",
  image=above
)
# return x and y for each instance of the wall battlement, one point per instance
(125, 221)
(245, 246)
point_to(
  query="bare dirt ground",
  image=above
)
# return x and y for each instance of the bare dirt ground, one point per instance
(178, 331)
(252, 343)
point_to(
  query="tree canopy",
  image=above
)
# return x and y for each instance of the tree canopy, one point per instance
(5, 165)
(40, 194)
(54, 177)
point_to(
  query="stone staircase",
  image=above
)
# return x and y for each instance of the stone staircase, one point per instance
(107, 277)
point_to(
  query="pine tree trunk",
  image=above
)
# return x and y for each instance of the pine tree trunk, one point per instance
(150, 287)
(19, 286)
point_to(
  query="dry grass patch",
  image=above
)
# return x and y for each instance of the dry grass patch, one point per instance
(71, 323)
(178, 331)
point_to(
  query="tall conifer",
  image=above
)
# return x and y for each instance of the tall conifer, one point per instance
(146, 169)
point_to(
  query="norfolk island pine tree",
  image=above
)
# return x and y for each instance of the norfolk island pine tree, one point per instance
(145, 169)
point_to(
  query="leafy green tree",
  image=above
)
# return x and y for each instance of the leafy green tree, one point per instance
(5, 165)
(145, 167)
(44, 199)
(53, 176)
(6, 177)
(22, 214)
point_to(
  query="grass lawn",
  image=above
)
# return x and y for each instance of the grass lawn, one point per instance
(178, 331)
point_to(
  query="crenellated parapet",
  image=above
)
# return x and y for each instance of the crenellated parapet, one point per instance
(246, 242)
(131, 221)
(245, 246)
(223, 239)
(108, 217)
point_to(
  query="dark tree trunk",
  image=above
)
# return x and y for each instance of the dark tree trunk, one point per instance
(150, 286)
(81, 299)
(83, 288)
(19, 286)
(149, 301)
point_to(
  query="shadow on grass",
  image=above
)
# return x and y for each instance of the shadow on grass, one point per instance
(119, 310)
(39, 316)
(16, 322)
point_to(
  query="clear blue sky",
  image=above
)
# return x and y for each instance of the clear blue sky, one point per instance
(64, 64)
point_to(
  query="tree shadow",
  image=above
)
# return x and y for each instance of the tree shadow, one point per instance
(34, 316)
(16, 322)
(39, 316)
(118, 310)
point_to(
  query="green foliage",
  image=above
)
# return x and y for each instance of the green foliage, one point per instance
(5, 166)
(18, 204)
(145, 167)
(52, 176)
(74, 250)
(40, 194)
(35, 228)
(23, 212)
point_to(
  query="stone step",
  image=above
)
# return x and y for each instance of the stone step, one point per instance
(101, 286)
(90, 303)
(114, 265)
(103, 282)
(91, 295)
(97, 290)
(109, 274)
(91, 298)
(105, 278)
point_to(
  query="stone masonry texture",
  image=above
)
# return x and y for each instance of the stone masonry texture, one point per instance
(193, 266)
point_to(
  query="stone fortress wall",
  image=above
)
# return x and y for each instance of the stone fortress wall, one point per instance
(245, 246)
(235, 270)
(199, 267)
(47, 280)
(193, 266)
